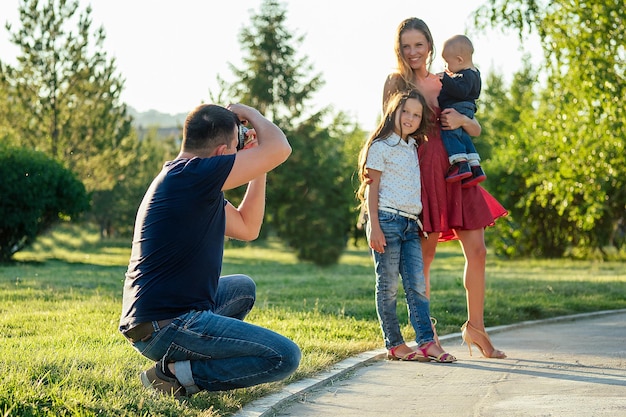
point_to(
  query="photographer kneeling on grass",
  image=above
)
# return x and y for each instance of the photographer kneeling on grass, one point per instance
(177, 310)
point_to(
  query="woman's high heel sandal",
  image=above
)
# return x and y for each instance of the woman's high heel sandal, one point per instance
(486, 348)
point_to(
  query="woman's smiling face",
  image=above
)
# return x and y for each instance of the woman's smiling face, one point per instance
(415, 48)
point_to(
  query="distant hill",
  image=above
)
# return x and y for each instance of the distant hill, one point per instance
(166, 125)
(154, 118)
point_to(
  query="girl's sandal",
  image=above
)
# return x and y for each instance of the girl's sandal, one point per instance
(413, 356)
(443, 357)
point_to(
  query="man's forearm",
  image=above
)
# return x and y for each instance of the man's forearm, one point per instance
(252, 207)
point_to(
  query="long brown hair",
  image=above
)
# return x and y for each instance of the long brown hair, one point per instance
(404, 69)
(386, 127)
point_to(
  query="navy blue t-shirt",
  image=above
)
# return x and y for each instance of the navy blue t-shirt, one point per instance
(462, 86)
(178, 244)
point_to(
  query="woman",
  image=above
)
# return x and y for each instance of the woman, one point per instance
(449, 211)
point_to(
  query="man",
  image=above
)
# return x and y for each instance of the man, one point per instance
(177, 310)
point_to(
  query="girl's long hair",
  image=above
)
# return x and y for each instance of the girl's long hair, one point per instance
(404, 69)
(386, 127)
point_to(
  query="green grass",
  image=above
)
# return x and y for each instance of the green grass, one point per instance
(61, 353)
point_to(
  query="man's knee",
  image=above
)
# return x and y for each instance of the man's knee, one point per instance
(241, 285)
(247, 284)
(291, 358)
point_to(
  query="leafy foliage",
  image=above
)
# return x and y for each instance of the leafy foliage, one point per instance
(37, 192)
(274, 79)
(570, 145)
(117, 207)
(313, 199)
(63, 99)
(309, 197)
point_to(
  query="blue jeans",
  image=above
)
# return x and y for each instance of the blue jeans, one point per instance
(402, 257)
(457, 142)
(216, 350)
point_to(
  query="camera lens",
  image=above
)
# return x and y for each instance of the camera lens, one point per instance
(242, 137)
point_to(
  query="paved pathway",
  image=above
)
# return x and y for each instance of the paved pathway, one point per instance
(568, 366)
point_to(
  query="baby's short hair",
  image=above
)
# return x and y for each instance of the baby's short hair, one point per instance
(461, 45)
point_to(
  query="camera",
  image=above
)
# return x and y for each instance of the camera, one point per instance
(242, 137)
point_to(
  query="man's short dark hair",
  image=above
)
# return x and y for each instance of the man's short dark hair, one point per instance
(208, 126)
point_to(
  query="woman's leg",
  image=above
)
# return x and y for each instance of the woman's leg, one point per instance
(429, 248)
(473, 244)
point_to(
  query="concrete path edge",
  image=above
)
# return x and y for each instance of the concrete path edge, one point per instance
(270, 404)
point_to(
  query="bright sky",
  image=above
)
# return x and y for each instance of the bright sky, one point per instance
(170, 52)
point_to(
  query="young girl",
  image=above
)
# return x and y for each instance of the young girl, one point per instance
(390, 191)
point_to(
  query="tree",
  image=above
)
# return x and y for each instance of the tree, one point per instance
(117, 207)
(7, 133)
(309, 197)
(505, 117)
(273, 78)
(64, 93)
(37, 192)
(313, 195)
(575, 192)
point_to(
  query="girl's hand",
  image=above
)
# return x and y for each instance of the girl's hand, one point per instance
(377, 240)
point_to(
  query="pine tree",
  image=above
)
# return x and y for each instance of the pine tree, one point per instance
(310, 197)
(64, 92)
(273, 78)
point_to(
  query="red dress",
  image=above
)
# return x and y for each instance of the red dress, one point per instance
(447, 206)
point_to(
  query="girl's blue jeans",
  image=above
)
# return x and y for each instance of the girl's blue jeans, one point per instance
(216, 350)
(402, 257)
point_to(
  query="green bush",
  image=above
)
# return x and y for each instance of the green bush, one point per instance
(310, 196)
(37, 192)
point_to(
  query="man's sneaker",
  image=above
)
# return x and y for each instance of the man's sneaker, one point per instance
(478, 175)
(155, 379)
(458, 171)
